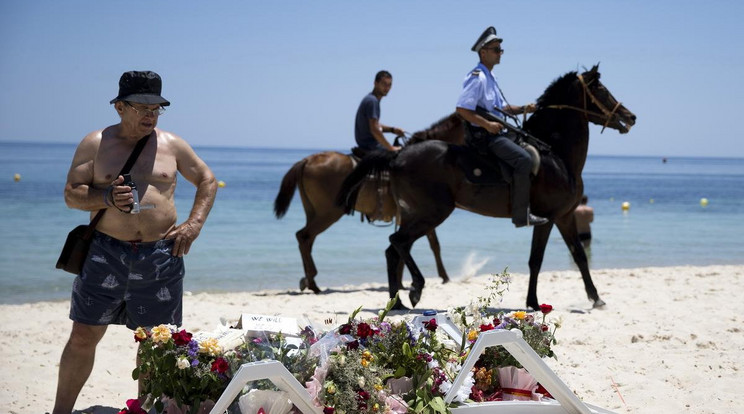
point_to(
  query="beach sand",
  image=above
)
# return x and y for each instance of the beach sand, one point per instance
(669, 340)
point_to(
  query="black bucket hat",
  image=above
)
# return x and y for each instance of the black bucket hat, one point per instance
(141, 87)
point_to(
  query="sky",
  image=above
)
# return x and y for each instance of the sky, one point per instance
(290, 74)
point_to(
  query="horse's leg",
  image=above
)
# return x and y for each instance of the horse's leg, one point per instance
(434, 243)
(402, 243)
(399, 271)
(394, 265)
(305, 239)
(540, 235)
(567, 227)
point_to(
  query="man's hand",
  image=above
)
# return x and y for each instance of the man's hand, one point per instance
(121, 195)
(494, 127)
(398, 132)
(183, 236)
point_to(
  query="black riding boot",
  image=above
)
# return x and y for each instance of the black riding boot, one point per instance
(521, 202)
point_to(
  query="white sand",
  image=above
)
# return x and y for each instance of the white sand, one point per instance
(669, 340)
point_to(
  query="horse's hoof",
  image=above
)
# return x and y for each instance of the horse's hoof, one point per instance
(399, 306)
(415, 296)
(303, 284)
(599, 303)
(533, 306)
(445, 279)
(314, 288)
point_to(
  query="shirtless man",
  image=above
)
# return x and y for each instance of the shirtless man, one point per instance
(133, 274)
(584, 215)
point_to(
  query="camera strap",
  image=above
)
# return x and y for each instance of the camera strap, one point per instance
(125, 170)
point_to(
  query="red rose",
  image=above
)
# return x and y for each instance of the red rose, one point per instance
(431, 324)
(261, 411)
(220, 365)
(496, 321)
(364, 330)
(362, 397)
(328, 410)
(484, 328)
(345, 329)
(546, 309)
(133, 407)
(544, 327)
(182, 338)
(352, 345)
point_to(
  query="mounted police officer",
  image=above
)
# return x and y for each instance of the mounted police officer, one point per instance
(480, 91)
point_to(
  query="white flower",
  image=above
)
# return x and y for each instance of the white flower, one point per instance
(464, 392)
(183, 363)
(452, 367)
(361, 382)
(445, 386)
(433, 364)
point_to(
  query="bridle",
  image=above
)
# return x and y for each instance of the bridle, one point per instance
(606, 113)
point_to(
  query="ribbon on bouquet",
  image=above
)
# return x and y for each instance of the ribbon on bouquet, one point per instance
(517, 392)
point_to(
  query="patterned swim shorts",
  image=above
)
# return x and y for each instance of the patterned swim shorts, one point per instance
(128, 283)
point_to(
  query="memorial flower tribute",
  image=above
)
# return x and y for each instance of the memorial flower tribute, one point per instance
(366, 366)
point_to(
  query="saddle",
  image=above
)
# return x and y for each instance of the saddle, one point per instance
(375, 191)
(486, 169)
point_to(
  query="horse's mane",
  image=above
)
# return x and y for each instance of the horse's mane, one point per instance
(438, 129)
(558, 90)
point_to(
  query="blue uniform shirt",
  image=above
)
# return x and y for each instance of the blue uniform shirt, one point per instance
(480, 89)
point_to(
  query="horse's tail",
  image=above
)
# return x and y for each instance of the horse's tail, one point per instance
(287, 188)
(375, 162)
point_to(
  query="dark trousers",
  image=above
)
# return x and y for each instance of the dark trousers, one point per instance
(516, 157)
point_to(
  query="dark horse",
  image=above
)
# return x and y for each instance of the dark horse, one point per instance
(427, 184)
(319, 177)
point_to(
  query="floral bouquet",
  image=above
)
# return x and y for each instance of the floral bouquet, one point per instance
(381, 366)
(174, 364)
(498, 375)
(293, 355)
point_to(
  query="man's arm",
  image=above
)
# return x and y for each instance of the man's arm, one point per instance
(519, 110)
(473, 117)
(376, 129)
(198, 173)
(79, 190)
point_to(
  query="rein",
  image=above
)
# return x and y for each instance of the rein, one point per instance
(607, 114)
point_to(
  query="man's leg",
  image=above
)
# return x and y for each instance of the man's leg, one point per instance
(519, 159)
(76, 364)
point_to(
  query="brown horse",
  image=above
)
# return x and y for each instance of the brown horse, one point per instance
(319, 177)
(427, 183)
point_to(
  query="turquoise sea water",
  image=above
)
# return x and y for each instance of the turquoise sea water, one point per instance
(243, 247)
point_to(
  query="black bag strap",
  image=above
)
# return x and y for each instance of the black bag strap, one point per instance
(125, 170)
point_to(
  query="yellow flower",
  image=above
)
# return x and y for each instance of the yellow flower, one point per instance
(140, 333)
(367, 355)
(376, 407)
(472, 335)
(161, 333)
(365, 362)
(210, 347)
(520, 315)
(331, 388)
(378, 387)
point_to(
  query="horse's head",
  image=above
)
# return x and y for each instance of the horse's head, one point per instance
(601, 107)
(449, 129)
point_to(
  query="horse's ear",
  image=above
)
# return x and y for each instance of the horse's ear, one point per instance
(595, 70)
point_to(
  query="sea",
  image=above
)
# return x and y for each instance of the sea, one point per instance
(678, 211)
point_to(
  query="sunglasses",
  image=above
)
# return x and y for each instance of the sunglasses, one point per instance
(495, 49)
